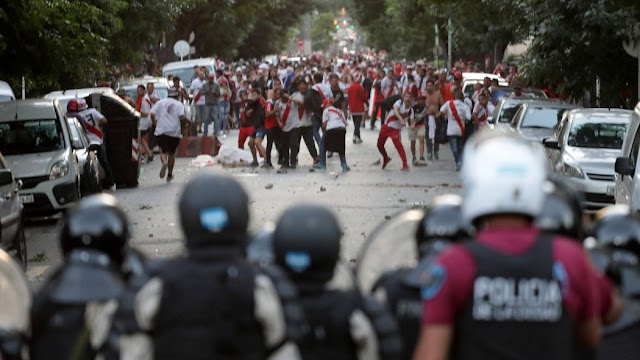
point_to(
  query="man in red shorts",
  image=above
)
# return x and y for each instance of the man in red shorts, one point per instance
(246, 125)
(514, 292)
(401, 114)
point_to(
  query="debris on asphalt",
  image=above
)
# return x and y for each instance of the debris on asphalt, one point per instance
(281, 171)
(144, 207)
(202, 161)
(268, 186)
(376, 163)
(150, 235)
(322, 188)
(312, 170)
(387, 217)
(402, 200)
(333, 175)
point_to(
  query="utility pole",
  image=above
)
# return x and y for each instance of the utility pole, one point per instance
(437, 44)
(450, 44)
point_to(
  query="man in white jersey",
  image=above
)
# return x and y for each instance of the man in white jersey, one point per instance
(93, 122)
(401, 114)
(198, 98)
(168, 115)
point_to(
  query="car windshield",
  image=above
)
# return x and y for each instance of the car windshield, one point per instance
(598, 132)
(30, 136)
(509, 110)
(541, 118)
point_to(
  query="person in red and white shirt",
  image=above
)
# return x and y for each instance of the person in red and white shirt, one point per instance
(357, 102)
(143, 106)
(334, 126)
(401, 114)
(198, 98)
(274, 133)
(483, 109)
(389, 86)
(411, 87)
(93, 122)
(457, 113)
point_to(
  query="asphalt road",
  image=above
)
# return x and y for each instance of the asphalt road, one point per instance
(361, 198)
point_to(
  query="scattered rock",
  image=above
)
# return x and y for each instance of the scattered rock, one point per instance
(150, 235)
(377, 162)
(402, 200)
(322, 188)
(269, 186)
(387, 217)
(312, 170)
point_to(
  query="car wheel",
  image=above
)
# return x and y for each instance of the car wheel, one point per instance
(20, 248)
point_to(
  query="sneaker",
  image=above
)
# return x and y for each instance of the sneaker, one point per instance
(359, 141)
(458, 166)
(435, 155)
(405, 168)
(385, 162)
(422, 158)
(430, 157)
(255, 164)
(113, 187)
(150, 159)
(267, 166)
(293, 166)
(355, 141)
(163, 170)
(320, 166)
(414, 162)
(345, 167)
(169, 177)
(282, 170)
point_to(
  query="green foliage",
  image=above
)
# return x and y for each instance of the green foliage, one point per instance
(322, 31)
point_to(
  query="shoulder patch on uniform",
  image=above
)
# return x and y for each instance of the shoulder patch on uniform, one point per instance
(214, 219)
(560, 274)
(432, 281)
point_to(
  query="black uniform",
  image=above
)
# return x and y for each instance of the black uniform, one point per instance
(89, 283)
(335, 316)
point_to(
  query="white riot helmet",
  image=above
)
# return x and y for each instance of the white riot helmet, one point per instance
(502, 174)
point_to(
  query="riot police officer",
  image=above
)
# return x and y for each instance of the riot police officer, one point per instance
(399, 289)
(71, 314)
(561, 212)
(513, 289)
(212, 303)
(617, 235)
(343, 324)
(15, 301)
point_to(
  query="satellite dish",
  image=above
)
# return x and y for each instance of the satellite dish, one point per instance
(181, 48)
(192, 37)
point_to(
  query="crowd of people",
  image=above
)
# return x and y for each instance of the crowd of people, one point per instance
(316, 101)
(501, 273)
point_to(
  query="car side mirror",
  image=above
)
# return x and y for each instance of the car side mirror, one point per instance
(551, 144)
(624, 166)
(6, 178)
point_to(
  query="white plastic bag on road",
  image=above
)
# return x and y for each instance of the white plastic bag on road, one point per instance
(202, 161)
(229, 155)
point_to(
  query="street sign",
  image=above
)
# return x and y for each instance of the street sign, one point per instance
(192, 37)
(181, 49)
(300, 45)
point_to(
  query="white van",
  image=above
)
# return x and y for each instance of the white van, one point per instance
(6, 93)
(184, 69)
(35, 140)
(628, 166)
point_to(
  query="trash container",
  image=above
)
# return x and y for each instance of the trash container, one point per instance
(121, 137)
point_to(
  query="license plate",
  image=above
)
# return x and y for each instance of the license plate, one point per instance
(611, 190)
(27, 198)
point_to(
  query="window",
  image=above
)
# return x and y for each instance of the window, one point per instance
(508, 112)
(635, 146)
(541, 118)
(30, 136)
(597, 133)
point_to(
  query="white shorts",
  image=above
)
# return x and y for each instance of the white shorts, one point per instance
(416, 132)
(432, 127)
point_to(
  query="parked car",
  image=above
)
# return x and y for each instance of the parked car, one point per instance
(90, 170)
(536, 120)
(627, 167)
(469, 79)
(11, 228)
(6, 93)
(64, 96)
(36, 142)
(184, 69)
(506, 109)
(583, 149)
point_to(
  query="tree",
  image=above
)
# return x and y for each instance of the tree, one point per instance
(322, 31)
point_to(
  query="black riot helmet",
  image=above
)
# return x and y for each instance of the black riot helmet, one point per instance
(616, 251)
(96, 223)
(561, 212)
(616, 228)
(442, 221)
(214, 210)
(306, 243)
